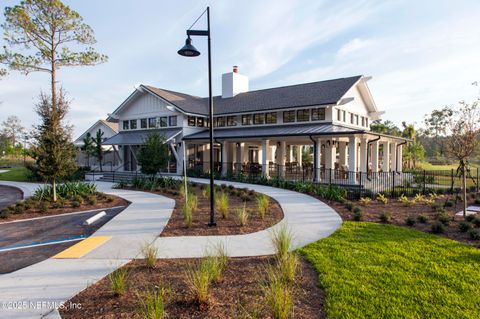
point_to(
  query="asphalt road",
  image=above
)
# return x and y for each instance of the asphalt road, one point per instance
(9, 195)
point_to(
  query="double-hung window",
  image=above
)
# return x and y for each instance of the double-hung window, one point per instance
(126, 125)
(247, 119)
(303, 115)
(288, 116)
(163, 121)
(172, 120)
(231, 120)
(271, 118)
(259, 118)
(191, 120)
(143, 123)
(152, 122)
(133, 124)
(319, 114)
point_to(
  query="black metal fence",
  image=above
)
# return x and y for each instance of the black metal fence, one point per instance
(357, 184)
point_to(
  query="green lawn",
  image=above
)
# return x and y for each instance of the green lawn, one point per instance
(371, 270)
(17, 174)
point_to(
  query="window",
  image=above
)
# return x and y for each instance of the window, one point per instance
(366, 122)
(163, 121)
(200, 122)
(303, 115)
(351, 118)
(133, 124)
(219, 121)
(191, 121)
(143, 123)
(339, 115)
(363, 121)
(247, 119)
(288, 116)
(152, 122)
(259, 118)
(318, 114)
(271, 118)
(125, 125)
(231, 120)
(356, 119)
(172, 120)
(344, 116)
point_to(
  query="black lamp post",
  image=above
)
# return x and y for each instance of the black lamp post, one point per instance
(189, 50)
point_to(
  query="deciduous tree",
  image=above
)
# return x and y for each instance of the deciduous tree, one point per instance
(13, 129)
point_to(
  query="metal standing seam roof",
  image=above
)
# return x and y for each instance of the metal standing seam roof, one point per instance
(299, 95)
(138, 137)
(275, 131)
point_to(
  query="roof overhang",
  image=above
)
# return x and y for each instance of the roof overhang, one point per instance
(138, 137)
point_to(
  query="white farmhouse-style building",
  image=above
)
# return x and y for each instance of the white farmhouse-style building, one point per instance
(321, 129)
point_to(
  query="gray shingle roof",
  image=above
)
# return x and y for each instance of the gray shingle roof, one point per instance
(273, 131)
(300, 95)
(138, 137)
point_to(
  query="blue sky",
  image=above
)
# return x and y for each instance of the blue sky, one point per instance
(421, 54)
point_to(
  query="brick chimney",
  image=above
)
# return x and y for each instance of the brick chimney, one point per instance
(234, 83)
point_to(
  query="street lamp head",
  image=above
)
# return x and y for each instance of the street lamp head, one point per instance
(188, 49)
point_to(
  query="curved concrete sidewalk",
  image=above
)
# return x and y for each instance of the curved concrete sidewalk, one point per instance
(305, 216)
(57, 280)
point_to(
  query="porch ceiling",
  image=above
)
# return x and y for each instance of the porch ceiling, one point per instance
(138, 137)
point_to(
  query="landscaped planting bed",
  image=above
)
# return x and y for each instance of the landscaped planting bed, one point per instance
(370, 270)
(428, 213)
(237, 210)
(72, 197)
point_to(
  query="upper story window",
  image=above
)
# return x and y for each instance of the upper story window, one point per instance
(352, 118)
(271, 118)
(152, 122)
(133, 124)
(220, 121)
(288, 116)
(172, 120)
(126, 125)
(318, 114)
(163, 121)
(339, 115)
(303, 115)
(231, 120)
(200, 122)
(366, 122)
(344, 113)
(259, 118)
(363, 121)
(191, 121)
(143, 123)
(247, 119)
(356, 119)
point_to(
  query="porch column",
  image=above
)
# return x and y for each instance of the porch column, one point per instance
(330, 157)
(386, 157)
(374, 151)
(180, 157)
(318, 161)
(239, 154)
(393, 156)
(281, 155)
(300, 154)
(265, 149)
(342, 154)
(206, 157)
(352, 159)
(400, 158)
(225, 157)
(363, 155)
(290, 153)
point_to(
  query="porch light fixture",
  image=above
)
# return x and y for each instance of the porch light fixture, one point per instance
(188, 50)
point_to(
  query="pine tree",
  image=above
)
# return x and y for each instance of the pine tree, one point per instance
(87, 147)
(98, 149)
(153, 156)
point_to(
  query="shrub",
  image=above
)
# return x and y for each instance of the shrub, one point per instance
(76, 203)
(278, 296)
(118, 281)
(78, 198)
(437, 207)
(477, 200)
(385, 217)
(65, 190)
(242, 215)
(282, 241)
(43, 206)
(149, 253)
(410, 221)
(469, 218)
(438, 228)
(187, 214)
(444, 218)
(4, 213)
(449, 203)
(110, 198)
(223, 204)
(464, 227)
(349, 206)
(262, 205)
(382, 199)
(198, 281)
(152, 304)
(422, 219)
(474, 234)
(476, 221)
(19, 208)
(405, 201)
(92, 200)
(365, 201)
(357, 215)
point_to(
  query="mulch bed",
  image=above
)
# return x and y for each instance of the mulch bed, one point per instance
(238, 295)
(399, 213)
(103, 201)
(228, 226)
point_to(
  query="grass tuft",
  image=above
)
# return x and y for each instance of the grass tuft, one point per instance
(149, 253)
(118, 281)
(242, 215)
(223, 204)
(152, 304)
(262, 205)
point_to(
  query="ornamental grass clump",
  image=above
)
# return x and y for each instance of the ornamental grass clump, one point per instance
(118, 281)
(282, 241)
(242, 215)
(187, 214)
(278, 296)
(365, 201)
(262, 205)
(149, 253)
(198, 281)
(152, 304)
(223, 204)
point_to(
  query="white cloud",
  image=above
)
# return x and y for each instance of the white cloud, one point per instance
(353, 46)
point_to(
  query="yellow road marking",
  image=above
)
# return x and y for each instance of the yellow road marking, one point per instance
(82, 248)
